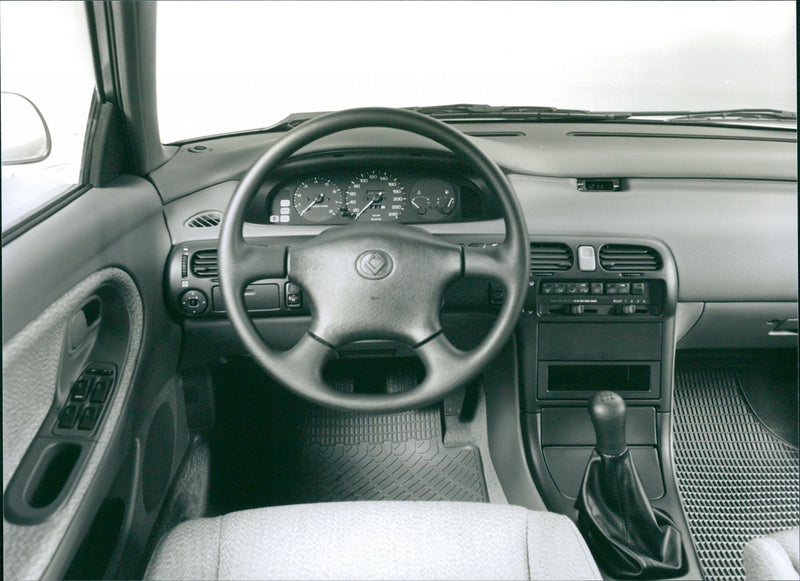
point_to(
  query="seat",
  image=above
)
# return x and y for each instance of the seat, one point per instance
(773, 557)
(376, 540)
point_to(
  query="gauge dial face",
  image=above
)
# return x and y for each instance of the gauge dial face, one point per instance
(318, 199)
(375, 196)
(433, 196)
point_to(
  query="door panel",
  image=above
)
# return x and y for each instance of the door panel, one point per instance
(82, 297)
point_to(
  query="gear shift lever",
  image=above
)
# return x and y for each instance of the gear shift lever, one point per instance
(628, 538)
(607, 410)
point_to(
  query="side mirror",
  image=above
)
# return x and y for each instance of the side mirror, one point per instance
(24, 135)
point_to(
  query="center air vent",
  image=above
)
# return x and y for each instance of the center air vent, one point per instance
(208, 219)
(204, 263)
(629, 258)
(550, 257)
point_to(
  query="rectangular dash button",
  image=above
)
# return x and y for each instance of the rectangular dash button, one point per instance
(586, 260)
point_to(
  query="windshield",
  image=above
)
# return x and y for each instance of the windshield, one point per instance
(224, 67)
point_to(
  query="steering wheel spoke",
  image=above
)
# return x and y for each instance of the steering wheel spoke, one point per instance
(305, 361)
(251, 262)
(441, 359)
(494, 262)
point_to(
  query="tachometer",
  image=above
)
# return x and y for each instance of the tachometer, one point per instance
(375, 196)
(318, 199)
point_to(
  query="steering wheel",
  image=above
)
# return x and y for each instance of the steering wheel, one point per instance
(373, 280)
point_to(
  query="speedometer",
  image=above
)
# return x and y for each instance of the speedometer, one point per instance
(318, 199)
(375, 196)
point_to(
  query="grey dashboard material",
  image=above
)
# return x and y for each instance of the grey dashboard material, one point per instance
(558, 150)
(731, 239)
(722, 199)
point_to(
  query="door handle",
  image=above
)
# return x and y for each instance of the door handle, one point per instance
(784, 328)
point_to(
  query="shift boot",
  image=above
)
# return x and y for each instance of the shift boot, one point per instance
(627, 537)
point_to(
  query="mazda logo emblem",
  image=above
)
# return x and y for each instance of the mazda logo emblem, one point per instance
(374, 264)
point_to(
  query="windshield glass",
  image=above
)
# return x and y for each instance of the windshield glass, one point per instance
(232, 66)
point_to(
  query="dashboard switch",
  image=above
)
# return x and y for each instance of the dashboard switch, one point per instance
(193, 302)
(586, 259)
(576, 309)
(496, 294)
(294, 300)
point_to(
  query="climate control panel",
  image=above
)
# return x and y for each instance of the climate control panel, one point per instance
(600, 297)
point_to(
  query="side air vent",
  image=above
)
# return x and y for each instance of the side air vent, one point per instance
(207, 219)
(204, 263)
(629, 258)
(550, 257)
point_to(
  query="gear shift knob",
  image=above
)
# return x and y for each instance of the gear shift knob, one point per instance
(607, 410)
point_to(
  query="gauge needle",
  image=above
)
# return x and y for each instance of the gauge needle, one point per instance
(375, 198)
(313, 203)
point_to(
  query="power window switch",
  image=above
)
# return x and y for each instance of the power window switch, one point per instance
(80, 390)
(68, 416)
(100, 392)
(89, 418)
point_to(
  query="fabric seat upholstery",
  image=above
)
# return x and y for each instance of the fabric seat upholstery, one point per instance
(773, 557)
(376, 540)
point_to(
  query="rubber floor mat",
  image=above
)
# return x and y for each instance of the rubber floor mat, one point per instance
(349, 456)
(736, 479)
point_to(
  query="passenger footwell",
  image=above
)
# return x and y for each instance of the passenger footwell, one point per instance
(736, 479)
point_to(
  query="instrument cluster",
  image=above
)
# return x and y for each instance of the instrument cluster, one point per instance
(368, 195)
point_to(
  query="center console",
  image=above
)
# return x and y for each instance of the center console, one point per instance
(599, 316)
